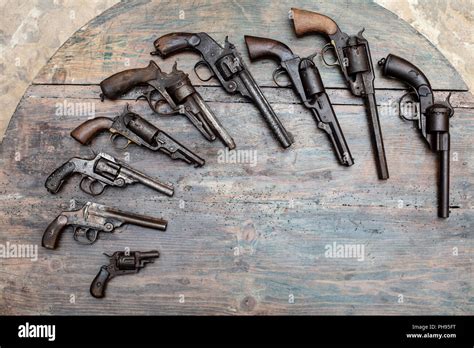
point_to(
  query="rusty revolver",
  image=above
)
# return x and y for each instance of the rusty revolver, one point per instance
(175, 90)
(135, 129)
(353, 57)
(87, 222)
(120, 263)
(433, 118)
(101, 171)
(307, 83)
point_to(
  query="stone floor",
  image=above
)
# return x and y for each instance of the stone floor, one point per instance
(32, 30)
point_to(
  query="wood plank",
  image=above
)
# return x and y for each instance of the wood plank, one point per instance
(123, 37)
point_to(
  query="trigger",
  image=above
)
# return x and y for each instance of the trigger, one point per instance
(92, 186)
(147, 97)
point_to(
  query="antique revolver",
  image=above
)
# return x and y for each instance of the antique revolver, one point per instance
(121, 263)
(101, 171)
(88, 221)
(353, 56)
(175, 90)
(306, 81)
(433, 118)
(228, 66)
(137, 130)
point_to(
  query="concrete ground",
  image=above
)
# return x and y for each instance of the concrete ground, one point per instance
(32, 30)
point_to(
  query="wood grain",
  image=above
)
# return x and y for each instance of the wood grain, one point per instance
(242, 238)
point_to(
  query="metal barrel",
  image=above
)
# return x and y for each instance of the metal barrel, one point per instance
(156, 185)
(152, 254)
(132, 218)
(443, 205)
(176, 150)
(377, 139)
(213, 122)
(266, 110)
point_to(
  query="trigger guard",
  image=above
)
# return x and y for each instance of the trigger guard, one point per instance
(114, 136)
(91, 182)
(85, 239)
(323, 52)
(198, 64)
(401, 115)
(277, 73)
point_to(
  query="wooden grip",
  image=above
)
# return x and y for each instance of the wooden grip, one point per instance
(121, 82)
(172, 42)
(54, 231)
(260, 47)
(312, 22)
(86, 131)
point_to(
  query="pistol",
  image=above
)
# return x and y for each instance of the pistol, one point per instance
(101, 171)
(432, 118)
(173, 89)
(227, 65)
(306, 81)
(121, 263)
(88, 221)
(135, 129)
(353, 57)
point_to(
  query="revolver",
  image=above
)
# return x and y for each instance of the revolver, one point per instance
(353, 57)
(121, 263)
(306, 81)
(88, 221)
(101, 171)
(173, 89)
(135, 129)
(227, 65)
(433, 118)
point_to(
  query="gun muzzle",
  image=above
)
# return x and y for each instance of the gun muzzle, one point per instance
(147, 255)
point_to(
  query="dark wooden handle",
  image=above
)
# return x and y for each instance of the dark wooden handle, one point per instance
(57, 178)
(116, 85)
(100, 283)
(86, 131)
(312, 22)
(260, 47)
(54, 231)
(173, 42)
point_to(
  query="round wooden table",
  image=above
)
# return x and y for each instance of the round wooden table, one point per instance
(251, 237)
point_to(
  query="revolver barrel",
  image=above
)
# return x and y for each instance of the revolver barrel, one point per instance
(147, 181)
(132, 218)
(256, 94)
(212, 122)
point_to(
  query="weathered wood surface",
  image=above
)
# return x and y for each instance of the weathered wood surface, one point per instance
(243, 239)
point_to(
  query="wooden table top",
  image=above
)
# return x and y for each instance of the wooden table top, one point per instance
(243, 238)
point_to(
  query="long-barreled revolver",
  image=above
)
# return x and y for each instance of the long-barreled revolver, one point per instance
(432, 117)
(227, 65)
(87, 222)
(306, 81)
(135, 129)
(101, 171)
(353, 57)
(173, 89)
(121, 263)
